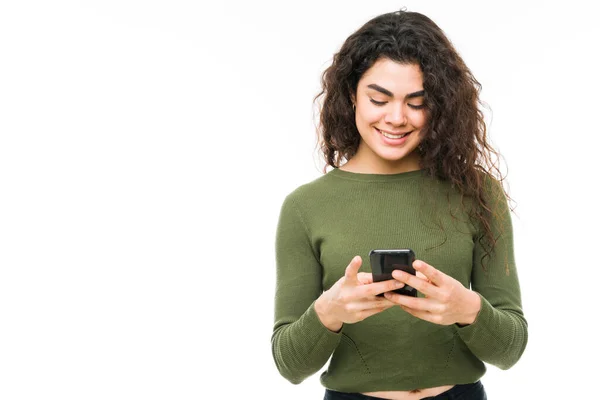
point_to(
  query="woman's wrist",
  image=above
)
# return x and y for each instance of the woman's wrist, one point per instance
(473, 308)
(325, 318)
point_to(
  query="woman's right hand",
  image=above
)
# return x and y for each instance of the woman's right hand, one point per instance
(353, 298)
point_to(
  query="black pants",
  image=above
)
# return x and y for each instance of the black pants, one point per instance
(469, 391)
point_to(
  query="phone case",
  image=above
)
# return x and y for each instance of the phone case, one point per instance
(383, 262)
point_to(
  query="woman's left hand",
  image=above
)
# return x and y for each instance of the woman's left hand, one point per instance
(446, 300)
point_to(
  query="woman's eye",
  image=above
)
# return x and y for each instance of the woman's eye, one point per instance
(413, 106)
(378, 103)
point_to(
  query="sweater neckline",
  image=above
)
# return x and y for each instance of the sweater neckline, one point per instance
(356, 176)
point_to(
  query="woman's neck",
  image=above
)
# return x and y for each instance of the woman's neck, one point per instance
(378, 165)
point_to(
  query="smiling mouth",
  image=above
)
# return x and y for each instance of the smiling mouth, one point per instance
(391, 136)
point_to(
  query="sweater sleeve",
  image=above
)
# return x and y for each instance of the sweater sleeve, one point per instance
(300, 343)
(499, 334)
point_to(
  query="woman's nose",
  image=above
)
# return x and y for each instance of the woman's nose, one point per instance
(396, 116)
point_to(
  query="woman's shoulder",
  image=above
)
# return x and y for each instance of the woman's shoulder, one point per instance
(314, 188)
(493, 188)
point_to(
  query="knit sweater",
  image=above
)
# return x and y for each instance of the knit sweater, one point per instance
(325, 223)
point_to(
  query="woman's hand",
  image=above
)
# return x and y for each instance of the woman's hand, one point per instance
(353, 298)
(446, 300)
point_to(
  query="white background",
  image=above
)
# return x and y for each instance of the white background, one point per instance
(145, 150)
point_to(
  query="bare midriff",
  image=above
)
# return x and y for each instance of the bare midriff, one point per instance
(410, 395)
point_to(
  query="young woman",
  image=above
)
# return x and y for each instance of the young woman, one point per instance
(412, 168)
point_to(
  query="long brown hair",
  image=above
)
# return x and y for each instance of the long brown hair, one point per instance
(454, 146)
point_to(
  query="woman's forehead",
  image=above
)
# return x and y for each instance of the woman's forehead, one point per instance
(397, 78)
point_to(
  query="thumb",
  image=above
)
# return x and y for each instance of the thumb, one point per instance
(351, 273)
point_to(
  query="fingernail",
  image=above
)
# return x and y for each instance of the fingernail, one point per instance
(399, 284)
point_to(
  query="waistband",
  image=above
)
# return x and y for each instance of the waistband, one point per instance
(474, 390)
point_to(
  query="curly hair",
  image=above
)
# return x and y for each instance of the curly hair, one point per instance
(454, 145)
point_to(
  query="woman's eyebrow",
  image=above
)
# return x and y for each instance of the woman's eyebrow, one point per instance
(390, 94)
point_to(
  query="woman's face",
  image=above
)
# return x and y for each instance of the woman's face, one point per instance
(389, 117)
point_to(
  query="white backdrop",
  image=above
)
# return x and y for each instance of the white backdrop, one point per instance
(145, 150)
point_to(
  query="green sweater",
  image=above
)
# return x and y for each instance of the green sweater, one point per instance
(325, 223)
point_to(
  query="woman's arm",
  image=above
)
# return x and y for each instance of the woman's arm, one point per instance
(499, 333)
(301, 344)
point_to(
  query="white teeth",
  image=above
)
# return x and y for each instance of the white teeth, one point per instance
(387, 135)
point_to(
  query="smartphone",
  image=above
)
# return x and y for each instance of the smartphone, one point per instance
(383, 262)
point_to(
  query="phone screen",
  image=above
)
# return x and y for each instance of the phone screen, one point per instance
(384, 262)
(395, 261)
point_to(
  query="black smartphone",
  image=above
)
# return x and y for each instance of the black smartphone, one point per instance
(383, 262)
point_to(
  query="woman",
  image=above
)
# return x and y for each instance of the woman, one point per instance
(401, 109)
